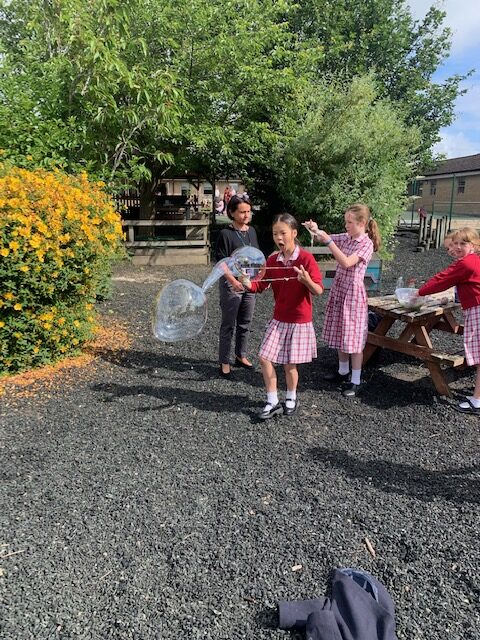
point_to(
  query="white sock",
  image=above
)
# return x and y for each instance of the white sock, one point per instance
(356, 376)
(343, 367)
(272, 398)
(290, 398)
(475, 402)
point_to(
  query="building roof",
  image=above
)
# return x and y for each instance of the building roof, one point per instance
(465, 164)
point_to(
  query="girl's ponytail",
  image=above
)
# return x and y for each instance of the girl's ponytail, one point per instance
(374, 234)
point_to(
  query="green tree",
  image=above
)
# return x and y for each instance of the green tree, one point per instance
(232, 63)
(76, 88)
(351, 147)
(383, 37)
(135, 89)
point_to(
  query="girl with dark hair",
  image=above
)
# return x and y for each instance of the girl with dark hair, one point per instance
(289, 339)
(237, 304)
(345, 326)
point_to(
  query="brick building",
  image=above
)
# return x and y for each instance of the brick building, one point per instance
(452, 187)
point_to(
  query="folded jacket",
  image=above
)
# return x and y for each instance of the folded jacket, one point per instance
(360, 609)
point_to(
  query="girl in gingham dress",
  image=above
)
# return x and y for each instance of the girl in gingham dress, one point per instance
(464, 274)
(346, 316)
(294, 277)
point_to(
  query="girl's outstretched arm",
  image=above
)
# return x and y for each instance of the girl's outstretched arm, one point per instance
(344, 261)
(337, 253)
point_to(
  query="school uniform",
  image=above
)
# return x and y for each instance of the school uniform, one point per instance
(464, 274)
(345, 325)
(237, 307)
(360, 608)
(289, 336)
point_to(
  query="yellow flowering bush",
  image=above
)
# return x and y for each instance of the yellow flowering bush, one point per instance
(59, 235)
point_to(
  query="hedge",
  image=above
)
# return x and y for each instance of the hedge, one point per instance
(59, 236)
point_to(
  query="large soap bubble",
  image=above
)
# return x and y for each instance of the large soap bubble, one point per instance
(220, 269)
(246, 261)
(180, 312)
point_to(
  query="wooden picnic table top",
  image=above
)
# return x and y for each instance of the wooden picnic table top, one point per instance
(435, 314)
(434, 305)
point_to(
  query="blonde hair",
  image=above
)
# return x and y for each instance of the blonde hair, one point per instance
(362, 214)
(467, 234)
(449, 235)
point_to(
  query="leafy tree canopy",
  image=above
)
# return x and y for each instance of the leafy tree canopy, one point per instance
(383, 37)
(351, 147)
(133, 89)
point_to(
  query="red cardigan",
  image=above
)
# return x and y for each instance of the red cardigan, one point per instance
(463, 274)
(293, 301)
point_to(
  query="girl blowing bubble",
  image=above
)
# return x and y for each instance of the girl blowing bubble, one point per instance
(289, 338)
(464, 273)
(346, 316)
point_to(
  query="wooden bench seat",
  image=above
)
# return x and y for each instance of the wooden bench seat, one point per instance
(449, 359)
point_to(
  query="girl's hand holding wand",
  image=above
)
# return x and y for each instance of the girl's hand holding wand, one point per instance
(317, 233)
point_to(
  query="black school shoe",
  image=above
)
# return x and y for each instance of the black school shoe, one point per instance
(351, 390)
(266, 414)
(334, 376)
(289, 411)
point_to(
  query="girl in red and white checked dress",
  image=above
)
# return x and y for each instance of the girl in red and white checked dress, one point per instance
(289, 339)
(346, 315)
(464, 274)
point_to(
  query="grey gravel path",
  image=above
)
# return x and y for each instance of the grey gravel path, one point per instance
(141, 500)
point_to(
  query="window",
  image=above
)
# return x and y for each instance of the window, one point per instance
(433, 187)
(207, 189)
(419, 188)
(461, 186)
(185, 189)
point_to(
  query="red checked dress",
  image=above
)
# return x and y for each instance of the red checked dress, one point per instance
(346, 315)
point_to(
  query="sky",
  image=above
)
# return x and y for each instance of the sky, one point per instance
(462, 138)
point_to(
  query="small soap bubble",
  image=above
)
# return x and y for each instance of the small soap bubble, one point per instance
(248, 261)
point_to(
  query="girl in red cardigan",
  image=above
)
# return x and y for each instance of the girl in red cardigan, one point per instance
(289, 339)
(464, 273)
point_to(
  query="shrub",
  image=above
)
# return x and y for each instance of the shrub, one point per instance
(59, 235)
(351, 147)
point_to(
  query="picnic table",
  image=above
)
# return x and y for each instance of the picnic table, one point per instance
(415, 337)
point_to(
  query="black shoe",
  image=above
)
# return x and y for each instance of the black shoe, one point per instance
(289, 411)
(239, 363)
(224, 374)
(334, 376)
(270, 412)
(352, 390)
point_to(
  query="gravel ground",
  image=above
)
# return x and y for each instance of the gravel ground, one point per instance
(142, 500)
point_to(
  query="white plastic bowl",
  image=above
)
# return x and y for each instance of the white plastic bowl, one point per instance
(409, 298)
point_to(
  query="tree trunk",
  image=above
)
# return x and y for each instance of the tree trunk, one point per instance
(147, 191)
